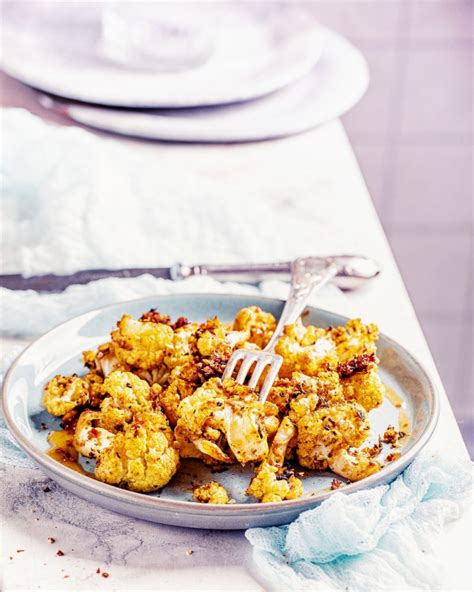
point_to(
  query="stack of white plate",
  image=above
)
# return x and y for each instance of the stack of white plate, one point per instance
(272, 72)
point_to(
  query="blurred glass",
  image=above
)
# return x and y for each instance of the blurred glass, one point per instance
(157, 35)
(145, 35)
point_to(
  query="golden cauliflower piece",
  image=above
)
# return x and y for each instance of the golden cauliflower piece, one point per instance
(225, 421)
(95, 382)
(125, 394)
(64, 393)
(260, 325)
(215, 337)
(126, 391)
(141, 457)
(328, 429)
(182, 382)
(305, 349)
(103, 361)
(301, 394)
(313, 392)
(211, 493)
(353, 464)
(90, 436)
(142, 344)
(354, 339)
(273, 482)
(367, 389)
(184, 343)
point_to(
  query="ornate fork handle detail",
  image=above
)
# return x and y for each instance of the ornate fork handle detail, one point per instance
(307, 274)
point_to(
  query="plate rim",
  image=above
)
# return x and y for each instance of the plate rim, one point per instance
(310, 46)
(191, 507)
(86, 114)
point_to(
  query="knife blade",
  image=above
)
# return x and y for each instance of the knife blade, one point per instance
(353, 272)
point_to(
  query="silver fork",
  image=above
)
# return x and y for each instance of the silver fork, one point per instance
(307, 274)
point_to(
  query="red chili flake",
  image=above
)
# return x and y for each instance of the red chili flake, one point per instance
(180, 322)
(10, 558)
(105, 574)
(60, 553)
(335, 484)
(358, 364)
(98, 570)
(66, 577)
(51, 540)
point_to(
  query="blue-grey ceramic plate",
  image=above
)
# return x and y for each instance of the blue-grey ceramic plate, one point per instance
(59, 351)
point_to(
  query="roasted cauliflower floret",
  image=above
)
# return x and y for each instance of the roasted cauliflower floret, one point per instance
(124, 394)
(313, 392)
(142, 344)
(95, 382)
(90, 437)
(329, 429)
(183, 381)
(103, 361)
(215, 337)
(211, 493)
(260, 325)
(126, 391)
(271, 484)
(64, 393)
(305, 349)
(354, 339)
(301, 394)
(224, 421)
(184, 343)
(365, 388)
(274, 482)
(353, 464)
(141, 457)
(283, 440)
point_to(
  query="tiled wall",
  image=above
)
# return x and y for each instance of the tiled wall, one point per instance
(413, 136)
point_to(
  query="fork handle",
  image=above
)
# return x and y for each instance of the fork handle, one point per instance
(307, 275)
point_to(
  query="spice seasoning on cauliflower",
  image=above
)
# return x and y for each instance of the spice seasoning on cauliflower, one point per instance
(224, 421)
(141, 344)
(154, 394)
(327, 430)
(141, 457)
(259, 324)
(305, 349)
(211, 493)
(273, 481)
(65, 393)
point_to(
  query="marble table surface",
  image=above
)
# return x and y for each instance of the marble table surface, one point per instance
(143, 556)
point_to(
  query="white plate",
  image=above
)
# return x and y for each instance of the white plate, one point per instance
(259, 48)
(334, 85)
(59, 351)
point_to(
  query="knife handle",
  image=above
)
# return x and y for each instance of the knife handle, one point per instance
(353, 271)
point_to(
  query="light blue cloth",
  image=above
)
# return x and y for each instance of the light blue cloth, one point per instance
(375, 539)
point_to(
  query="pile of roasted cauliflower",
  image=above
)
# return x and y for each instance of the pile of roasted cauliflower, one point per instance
(154, 395)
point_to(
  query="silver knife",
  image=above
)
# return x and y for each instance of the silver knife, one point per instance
(353, 272)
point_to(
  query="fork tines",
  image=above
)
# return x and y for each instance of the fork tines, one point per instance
(261, 360)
